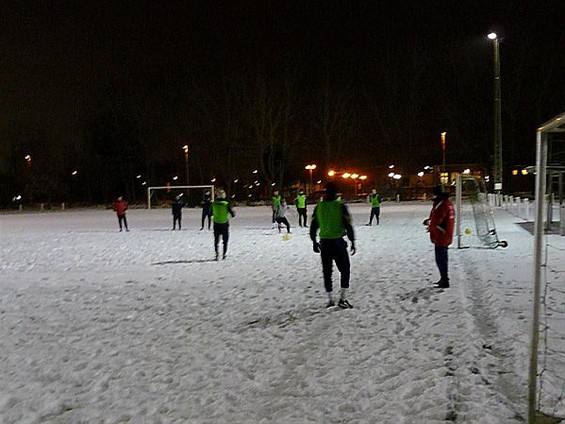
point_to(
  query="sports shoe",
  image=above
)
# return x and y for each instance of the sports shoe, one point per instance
(442, 284)
(344, 304)
(330, 304)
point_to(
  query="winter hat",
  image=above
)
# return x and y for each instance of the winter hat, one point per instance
(221, 194)
(331, 188)
(438, 190)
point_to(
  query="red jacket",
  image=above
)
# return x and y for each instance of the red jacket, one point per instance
(442, 222)
(120, 207)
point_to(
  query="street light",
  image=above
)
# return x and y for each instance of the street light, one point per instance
(310, 168)
(443, 176)
(443, 134)
(27, 181)
(362, 178)
(185, 148)
(354, 177)
(497, 116)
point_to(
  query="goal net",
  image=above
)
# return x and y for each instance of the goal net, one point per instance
(475, 220)
(162, 197)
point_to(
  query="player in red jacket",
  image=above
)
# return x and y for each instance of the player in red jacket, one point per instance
(120, 206)
(440, 226)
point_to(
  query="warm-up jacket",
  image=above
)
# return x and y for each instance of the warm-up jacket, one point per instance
(442, 222)
(120, 207)
(177, 207)
(281, 210)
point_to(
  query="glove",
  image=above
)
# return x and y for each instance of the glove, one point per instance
(316, 247)
(353, 249)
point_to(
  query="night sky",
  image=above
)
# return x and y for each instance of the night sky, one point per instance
(406, 70)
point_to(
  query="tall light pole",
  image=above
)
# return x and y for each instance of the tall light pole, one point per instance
(185, 148)
(497, 116)
(27, 184)
(310, 168)
(443, 134)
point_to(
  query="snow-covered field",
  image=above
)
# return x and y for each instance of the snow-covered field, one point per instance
(98, 326)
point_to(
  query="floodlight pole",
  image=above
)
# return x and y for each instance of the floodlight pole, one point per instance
(443, 135)
(185, 148)
(497, 116)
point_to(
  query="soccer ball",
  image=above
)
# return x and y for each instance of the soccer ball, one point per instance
(467, 231)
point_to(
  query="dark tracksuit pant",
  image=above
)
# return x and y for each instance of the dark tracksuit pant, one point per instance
(441, 261)
(375, 213)
(177, 218)
(335, 250)
(283, 221)
(302, 216)
(122, 218)
(221, 230)
(206, 213)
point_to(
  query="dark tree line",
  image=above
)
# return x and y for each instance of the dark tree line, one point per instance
(386, 104)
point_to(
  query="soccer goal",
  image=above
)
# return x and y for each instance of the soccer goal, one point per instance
(161, 197)
(546, 385)
(475, 220)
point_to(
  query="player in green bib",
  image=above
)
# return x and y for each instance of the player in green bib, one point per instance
(275, 205)
(221, 211)
(375, 207)
(331, 217)
(301, 208)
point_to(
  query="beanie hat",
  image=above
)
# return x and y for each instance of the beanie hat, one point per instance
(439, 190)
(331, 188)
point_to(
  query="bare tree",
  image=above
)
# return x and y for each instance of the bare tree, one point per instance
(335, 121)
(271, 109)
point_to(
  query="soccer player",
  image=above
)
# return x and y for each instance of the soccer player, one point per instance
(332, 218)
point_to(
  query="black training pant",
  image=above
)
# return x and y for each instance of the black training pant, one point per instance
(221, 230)
(442, 262)
(206, 213)
(375, 212)
(177, 218)
(335, 250)
(122, 218)
(283, 221)
(302, 216)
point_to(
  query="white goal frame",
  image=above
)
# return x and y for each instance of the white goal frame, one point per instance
(556, 124)
(169, 188)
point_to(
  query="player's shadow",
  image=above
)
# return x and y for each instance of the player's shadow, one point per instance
(189, 261)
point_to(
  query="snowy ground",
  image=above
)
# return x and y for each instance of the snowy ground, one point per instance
(98, 326)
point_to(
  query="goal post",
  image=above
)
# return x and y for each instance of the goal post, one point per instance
(543, 133)
(193, 194)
